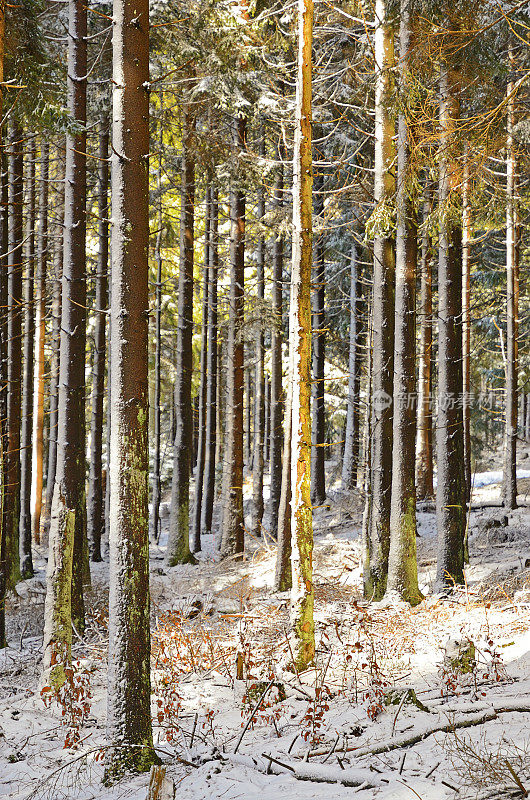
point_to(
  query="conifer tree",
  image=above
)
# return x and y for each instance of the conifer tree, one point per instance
(129, 729)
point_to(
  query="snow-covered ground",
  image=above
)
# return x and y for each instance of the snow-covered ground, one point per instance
(203, 615)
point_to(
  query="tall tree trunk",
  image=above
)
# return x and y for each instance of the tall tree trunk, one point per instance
(283, 580)
(367, 449)
(211, 374)
(450, 490)
(40, 336)
(402, 564)
(247, 460)
(259, 375)
(383, 316)
(424, 438)
(156, 497)
(351, 438)
(201, 446)
(14, 352)
(106, 513)
(26, 428)
(512, 310)
(128, 708)
(178, 546)
(276, 423)
(3, 360)
(220, 402)
(267, 423)
(55, 341)
(95, 510)
(318, 386)
(64, 596)
(232, 529)
(466, 338)
(302, 592)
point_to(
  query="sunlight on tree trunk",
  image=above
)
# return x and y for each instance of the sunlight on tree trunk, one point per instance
(302, 592)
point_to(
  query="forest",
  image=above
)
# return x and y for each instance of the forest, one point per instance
(264, 399)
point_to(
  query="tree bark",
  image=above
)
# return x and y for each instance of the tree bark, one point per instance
(450, 491)
(178, 546)
(95, 509)
(156, 497)
(267, 428)
(128, 706)
(4, 245)
(26, 428)
(201, 446)
(318, 386)
(211, 374)
(247, 459)
(378, 540)
(351, 438)
(424, 439)
(512, 310)
(302, 591)
(466, 338)
(259, 375)
(277, 400)
(14, 353)
(232, 529)
(65, 574)
(402, 563)
(40, 337)
(283, 574)
(55, 342)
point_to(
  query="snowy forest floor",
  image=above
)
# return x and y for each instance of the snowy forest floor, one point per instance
(352, 721)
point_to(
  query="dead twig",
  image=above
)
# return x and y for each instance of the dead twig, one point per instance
(252, 714)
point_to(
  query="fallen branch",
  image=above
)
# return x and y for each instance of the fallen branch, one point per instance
(386, 745)
(507, 706)
(322, 773)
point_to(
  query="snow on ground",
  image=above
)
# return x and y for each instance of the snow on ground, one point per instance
(203, 615)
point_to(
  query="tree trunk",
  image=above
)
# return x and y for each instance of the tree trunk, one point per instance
(259, 377)
(402, 563)
(512, 310)
(283, 580)
(318, 386)
(26, 428)
(276, 423)
(201, 447)
(55, 342)
(302, 592)
(14, 353)
(106, 512)
(129, 715)
(267, 428)
(3, 363)
(220, 402)
(211, 374)
(178, 546)
(424, 439)
(247, 460)
(40, 334)
(64, 596)
(95, 509)
(351, 438)
(232, 529)
(466, 330)
(450, 491)
(156, 497)
(383, 316)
